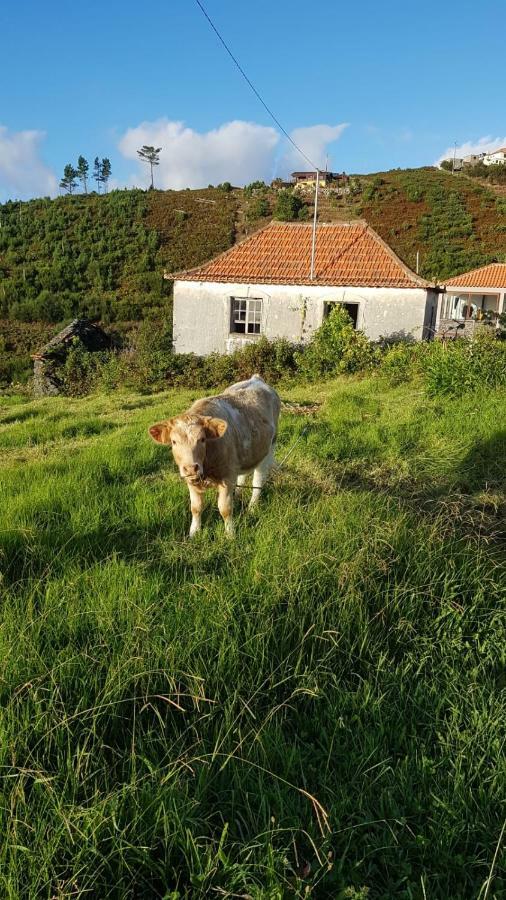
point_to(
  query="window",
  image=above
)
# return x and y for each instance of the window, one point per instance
(245, 316)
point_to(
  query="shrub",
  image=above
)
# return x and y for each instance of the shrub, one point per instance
(255, 187)
(289, 206)
(451, 369)
(397, 364)
(465, 365)
(337, 347)
(81, 371)
(258, 208)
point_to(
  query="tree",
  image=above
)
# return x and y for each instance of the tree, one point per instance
(258, 208)
(82, 172)
(69, 180)
(289, 207)
(105, 172)
(446, 164)
(256, 187)
(150, 155)
(97, 173)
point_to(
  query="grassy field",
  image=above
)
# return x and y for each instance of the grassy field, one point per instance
(314, 708)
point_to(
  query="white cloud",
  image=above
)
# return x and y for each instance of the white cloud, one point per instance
(313, 141)
(237, 151)
(482, 145)
(22, 172)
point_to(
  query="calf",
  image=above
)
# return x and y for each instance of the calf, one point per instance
(220, 440)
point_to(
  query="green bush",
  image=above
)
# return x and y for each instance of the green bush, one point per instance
(397, 363)
(256, 187)
(258, 208)
(465, 365)
(289, 206)
(336, 348)
(450, 369)
(81, 372)
(150, 365)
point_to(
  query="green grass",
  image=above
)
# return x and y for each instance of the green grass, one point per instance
(313, 708)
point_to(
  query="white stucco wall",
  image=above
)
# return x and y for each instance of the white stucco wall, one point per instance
(202, 312)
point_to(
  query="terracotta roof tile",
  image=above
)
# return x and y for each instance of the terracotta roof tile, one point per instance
(491, 276)
(349, 254)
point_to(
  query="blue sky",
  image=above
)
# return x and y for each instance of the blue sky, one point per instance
(394, 84)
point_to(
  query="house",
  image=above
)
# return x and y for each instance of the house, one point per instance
(48, 362)
(472, 159)
(472, 299)
(263, 286)
(326, 179)
(496, 157)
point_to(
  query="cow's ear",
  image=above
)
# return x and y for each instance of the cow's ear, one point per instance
(161, 432)
(214, 428)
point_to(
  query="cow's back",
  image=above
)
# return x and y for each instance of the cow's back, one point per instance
(251, 409)
(255, 394)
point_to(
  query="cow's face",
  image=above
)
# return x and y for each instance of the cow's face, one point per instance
(188, 436)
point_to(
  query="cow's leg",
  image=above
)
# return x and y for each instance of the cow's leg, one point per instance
(241, 480)
(196, 501)
(260, 476)
(225, 506)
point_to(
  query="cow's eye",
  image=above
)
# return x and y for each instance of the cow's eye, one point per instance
(202, 440)
(174, 442)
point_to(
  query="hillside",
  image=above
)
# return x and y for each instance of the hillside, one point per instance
(104, 256)
(312, 710)
(455, 224)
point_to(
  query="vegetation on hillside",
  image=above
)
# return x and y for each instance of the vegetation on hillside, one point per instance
(454, 223)
(104, 256)
(314, 709)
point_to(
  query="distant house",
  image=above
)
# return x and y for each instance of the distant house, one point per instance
(472, 299)
(48, 361)
(473, 159)
(495, 158)
(326, 179)
(263, 286)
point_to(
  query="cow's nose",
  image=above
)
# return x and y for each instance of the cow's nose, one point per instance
(191, 470)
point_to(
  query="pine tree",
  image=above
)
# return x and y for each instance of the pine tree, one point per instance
(69, 180)
(82, 172)
(97, 173)
(105, 172)
(150, 155)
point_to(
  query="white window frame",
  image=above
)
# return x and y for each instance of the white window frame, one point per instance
(248, 314)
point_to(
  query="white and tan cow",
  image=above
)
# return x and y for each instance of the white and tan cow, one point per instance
(220, 440)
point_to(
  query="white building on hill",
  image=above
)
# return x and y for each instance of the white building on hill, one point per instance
(497, 157)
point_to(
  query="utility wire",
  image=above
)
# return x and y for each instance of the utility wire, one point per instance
(252, 86)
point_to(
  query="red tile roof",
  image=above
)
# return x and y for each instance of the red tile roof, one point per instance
(347, 253)
(492, 276)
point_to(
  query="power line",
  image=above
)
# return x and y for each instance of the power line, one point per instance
(252, 86)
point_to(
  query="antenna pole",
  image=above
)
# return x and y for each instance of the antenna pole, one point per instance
(313, 243)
